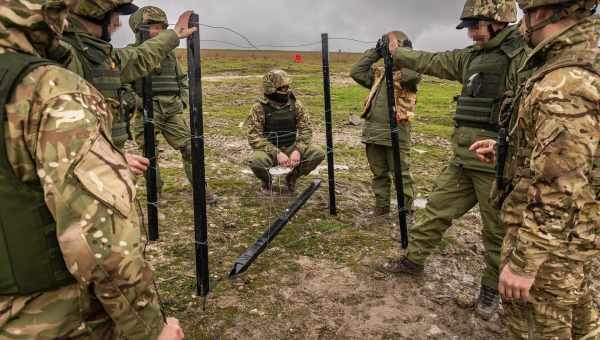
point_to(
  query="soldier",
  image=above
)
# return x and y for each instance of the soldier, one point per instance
(171, 94)
(486, 70)
(376, 131)
(279, 133)
(552, 176)
(71, 250)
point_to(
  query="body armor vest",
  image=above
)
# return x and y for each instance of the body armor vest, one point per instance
(30, 257)
(281, 125)
(484, 85)
(102, 72)
(518, 166)
(165, 80)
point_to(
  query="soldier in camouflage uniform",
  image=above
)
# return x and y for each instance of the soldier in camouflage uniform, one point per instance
(486, 70)
(170, 91)
(71, 263)
(551, 187)
(376, 131)
(279, 133)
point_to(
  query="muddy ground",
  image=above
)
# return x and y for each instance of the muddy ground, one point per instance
(317, 280)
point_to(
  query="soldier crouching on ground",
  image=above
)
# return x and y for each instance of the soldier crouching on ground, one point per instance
(280, 134)
(71, 250)
(376, 131)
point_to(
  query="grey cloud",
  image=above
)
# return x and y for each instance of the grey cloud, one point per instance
(430, 23)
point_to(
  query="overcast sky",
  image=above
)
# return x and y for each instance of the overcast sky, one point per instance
(430, 23)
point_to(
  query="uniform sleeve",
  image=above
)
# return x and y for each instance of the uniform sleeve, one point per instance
(561, 211)
(256, 125)
(362, 72)
(304, 128)
(138, 61)
(410, 80)
(184, 84)
(445, 65)
(90, 193)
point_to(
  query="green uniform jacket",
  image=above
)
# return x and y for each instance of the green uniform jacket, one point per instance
(133, 62)
(172, 103)
(377, 127)
(454, 65)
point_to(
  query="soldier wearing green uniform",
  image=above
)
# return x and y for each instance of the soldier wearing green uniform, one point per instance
(170, 92)
(486, 70)
(71, 251)
(376, 131)
(551, 179)
(109, 69)
(280, 134)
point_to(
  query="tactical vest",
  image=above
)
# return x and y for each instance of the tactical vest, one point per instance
(281, 125)
(521, 149)
(484, 85)
(30, 257)
(165, 80)
(102, 72)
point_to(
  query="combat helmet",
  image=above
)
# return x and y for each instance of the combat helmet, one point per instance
(32, 16)
(97, 10)
(275, 79)
(504, 11)
(147, 16)
(570, 8)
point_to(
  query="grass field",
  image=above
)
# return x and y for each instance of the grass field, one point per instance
(317, 279)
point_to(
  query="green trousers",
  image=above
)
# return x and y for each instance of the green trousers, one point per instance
(456, 191)
(381, 162)
(176, 131)
(260, 162)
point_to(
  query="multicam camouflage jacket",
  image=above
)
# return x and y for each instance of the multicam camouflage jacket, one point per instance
(256, 124)
(57, 134)
(554, 173)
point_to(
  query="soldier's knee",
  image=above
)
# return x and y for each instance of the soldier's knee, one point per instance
(186, 152)
(259, 159)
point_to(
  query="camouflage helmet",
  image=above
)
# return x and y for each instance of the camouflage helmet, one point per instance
(504, 11)
(146, 16)
(98, 9)
(32, 16)
(275, 79)
(585, 5)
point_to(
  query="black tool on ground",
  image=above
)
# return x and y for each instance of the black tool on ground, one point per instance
(198, 168)
(389, 79)
(502, 153)
(328, 124)
(249, 256)
(150, 149)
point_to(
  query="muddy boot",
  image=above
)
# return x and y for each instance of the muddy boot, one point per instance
(266, 187)
(380, 211)
(401, 265)
(290, 182)
(487, 303)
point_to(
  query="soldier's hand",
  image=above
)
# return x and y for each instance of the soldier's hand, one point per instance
(393, 42)
(137, 164)
(295, 158)
(171, 331)
(514, 287)
(283, 159)
(182, 27)
(485, 150)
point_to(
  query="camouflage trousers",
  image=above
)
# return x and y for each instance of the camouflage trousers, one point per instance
(58, 314)
(260, 162)
(176, 131)
(456, 191)
(381, 162)
(560, 304)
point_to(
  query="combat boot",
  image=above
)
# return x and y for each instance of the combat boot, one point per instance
(401, 265)
(290, 182)
(266, 187)
(487, 303)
